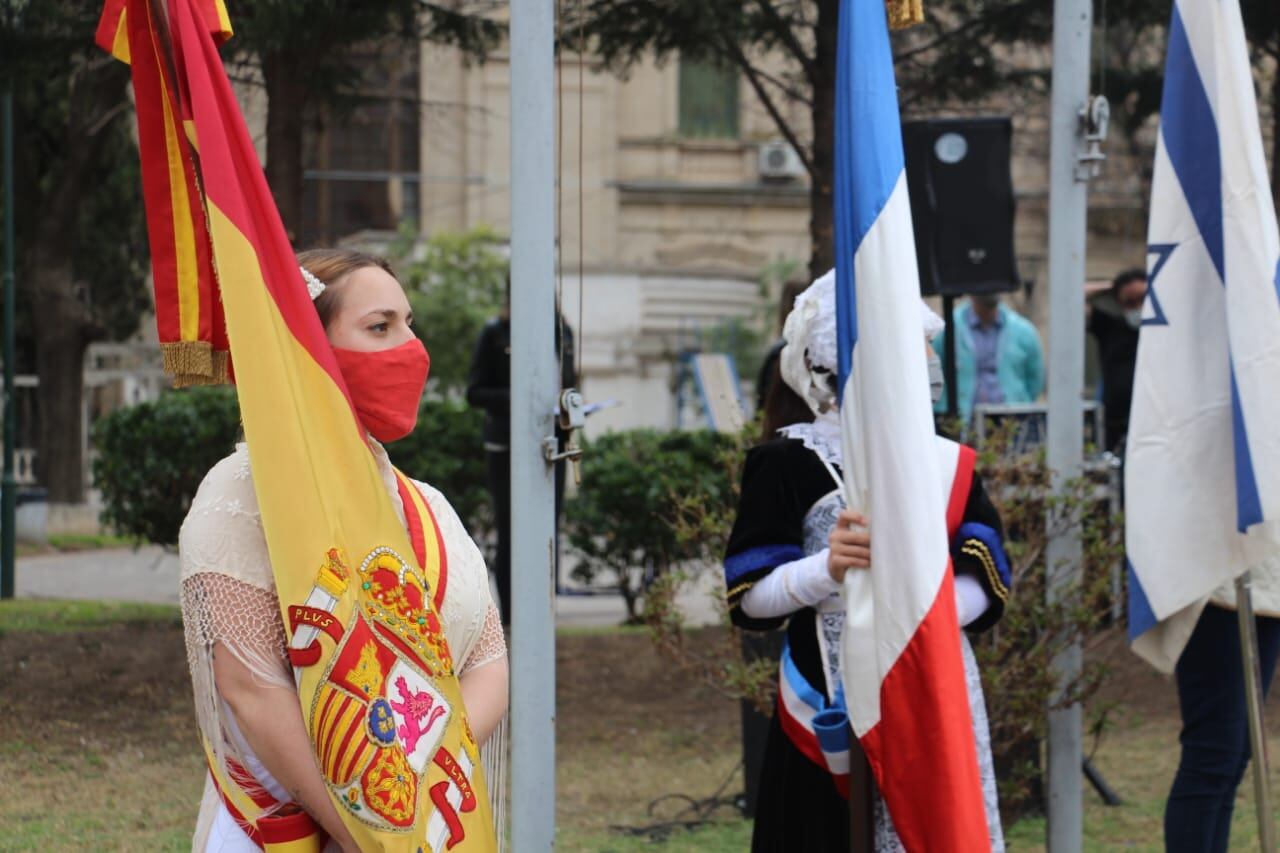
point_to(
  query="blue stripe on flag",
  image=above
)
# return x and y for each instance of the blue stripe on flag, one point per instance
(868, 150)
(1141, 617)
(1248, 502)
(1191, 140)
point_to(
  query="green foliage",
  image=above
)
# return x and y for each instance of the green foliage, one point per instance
(455, 283)
(331, 35)
(444, 451)
(742, 339)
(1015, 657)
(622, 519)
(153, 456)
(78, 186)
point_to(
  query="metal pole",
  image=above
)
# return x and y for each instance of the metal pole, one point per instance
(1068, 203)
(949, 359)
(8, 487)
(1252, 669)
(535, 380)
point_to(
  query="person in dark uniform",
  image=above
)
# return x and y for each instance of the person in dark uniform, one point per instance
(489, 389)
(790, 546)
(1117, 337)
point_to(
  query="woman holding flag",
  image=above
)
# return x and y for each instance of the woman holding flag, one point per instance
(246, 701)
(791, 544)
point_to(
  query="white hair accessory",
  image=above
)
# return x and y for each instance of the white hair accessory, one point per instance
(315, 286)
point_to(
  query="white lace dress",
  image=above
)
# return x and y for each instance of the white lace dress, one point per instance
(228, 596)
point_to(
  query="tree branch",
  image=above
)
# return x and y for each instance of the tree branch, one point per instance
(740, 59)
(788, 37)
(938, 41)
(784, 87)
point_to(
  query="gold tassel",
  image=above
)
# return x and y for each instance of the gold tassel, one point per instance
(905, 13)
(194, 363)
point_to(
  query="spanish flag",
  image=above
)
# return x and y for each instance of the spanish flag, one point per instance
(375, 679)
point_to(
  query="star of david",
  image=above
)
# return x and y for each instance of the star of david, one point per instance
(1162, 251)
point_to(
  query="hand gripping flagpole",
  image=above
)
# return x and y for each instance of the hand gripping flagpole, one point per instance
(1252, 670)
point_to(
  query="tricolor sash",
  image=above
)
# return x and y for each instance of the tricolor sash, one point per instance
(817, 721)
(818, 727)
(273, 826)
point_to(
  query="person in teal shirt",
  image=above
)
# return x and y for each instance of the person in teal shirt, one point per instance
(998, 356)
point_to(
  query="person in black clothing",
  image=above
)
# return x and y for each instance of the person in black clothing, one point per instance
(786, 555)
(489, 388)
(1117, 337)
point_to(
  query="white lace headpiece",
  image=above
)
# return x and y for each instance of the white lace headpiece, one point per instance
(315, 286)
(809, 359)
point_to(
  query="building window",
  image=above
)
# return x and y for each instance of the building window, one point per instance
(362, 167)
(708, 100)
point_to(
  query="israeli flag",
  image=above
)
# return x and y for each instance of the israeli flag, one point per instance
(1202, 474)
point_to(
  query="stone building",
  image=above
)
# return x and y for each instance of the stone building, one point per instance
(667, 200)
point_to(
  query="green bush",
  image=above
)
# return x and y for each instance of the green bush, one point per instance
(623, 518)
(454, 282)
(153, 456)
(445, 450)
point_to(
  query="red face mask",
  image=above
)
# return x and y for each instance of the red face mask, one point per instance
(386, 386)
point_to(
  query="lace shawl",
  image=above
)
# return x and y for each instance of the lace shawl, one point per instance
(822, 436)
(228, 596)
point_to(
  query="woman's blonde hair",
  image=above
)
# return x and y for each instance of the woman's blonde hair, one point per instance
(332, 266)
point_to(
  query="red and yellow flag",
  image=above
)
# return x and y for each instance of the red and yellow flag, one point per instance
(375, 679)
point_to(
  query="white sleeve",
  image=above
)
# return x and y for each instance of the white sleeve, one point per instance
(971, 599)
(790, 587)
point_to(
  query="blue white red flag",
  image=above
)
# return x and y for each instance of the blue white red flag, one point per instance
(1202, 477)
(903, 671)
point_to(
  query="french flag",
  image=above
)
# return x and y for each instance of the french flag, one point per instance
(1202, 465)
(903, 671)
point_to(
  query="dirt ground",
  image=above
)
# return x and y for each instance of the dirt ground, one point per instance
(98, 745)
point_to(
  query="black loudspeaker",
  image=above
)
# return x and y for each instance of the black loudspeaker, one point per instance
(962, 204)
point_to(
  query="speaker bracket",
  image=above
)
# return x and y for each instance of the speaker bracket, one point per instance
(1095, 119)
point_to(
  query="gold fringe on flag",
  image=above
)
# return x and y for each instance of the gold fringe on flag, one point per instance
(194, 363)
(905, 13)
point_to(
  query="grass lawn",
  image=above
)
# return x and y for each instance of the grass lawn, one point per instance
(61, 542)
(98, 748)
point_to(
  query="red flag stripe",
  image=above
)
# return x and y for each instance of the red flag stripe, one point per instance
(915, 729)
(246, 199)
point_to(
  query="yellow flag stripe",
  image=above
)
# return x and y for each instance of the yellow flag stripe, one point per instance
(120, 44)
(184, 237)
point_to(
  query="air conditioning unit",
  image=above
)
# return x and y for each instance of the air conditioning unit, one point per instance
(780, 162)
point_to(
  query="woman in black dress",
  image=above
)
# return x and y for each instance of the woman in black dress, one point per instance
(791, 543)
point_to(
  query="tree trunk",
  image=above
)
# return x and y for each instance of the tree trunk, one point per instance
(60, 347)
(823, 114)
(65, 324)
(286, 110)
(60, 455)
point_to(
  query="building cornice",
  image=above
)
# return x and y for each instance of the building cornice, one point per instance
(717, 195)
